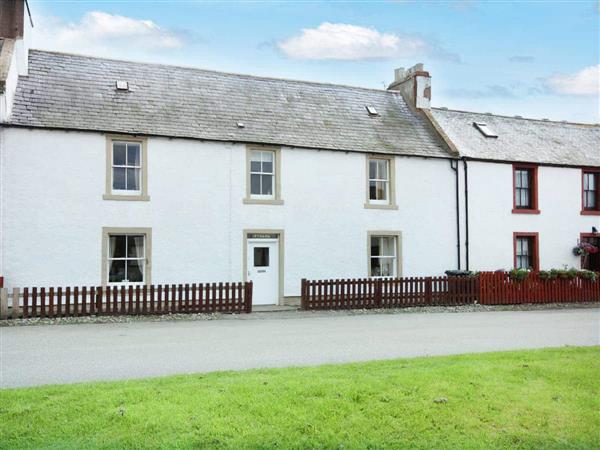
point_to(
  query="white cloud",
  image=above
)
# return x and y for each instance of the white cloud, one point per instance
(584, 82)
(351, 42)
(100, 33)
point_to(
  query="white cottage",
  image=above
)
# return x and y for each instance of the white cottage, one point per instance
(116, 172)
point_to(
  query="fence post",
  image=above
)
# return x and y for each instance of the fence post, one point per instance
(378, 293)
(248, 294)
(303, 293)
(3, 303)
(15, 303)
(428, 294)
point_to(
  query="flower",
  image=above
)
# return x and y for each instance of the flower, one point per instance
(584, 248)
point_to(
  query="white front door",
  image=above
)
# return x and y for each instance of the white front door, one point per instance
(263, 270)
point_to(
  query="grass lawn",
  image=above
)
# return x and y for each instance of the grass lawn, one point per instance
(525, 399)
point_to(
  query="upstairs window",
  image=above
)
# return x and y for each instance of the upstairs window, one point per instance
(525, 189)
(263, 175)
(526, 251)
(380, 183)
(126, 169)
(590, 192)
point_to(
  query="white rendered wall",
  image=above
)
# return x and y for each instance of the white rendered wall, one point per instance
(492, 222)
(53, 211)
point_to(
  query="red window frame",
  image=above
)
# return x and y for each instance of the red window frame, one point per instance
(536, 247)
(534, 189)
(591, 212)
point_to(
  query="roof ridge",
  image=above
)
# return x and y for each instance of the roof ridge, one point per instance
(198, 69)
(561, 122)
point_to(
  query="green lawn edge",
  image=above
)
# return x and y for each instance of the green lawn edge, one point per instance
(547, 398)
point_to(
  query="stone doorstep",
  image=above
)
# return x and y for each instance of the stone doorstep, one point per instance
(273, 308)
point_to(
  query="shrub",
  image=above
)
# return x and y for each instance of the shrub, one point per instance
(587, 275)
(518, 274)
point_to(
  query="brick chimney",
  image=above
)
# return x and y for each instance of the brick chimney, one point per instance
(414, 84)
(15, 24)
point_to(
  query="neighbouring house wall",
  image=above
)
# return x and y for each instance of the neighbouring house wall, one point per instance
(53, 211)
(492, 223)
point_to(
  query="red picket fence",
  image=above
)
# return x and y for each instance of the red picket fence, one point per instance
(138, 300)
(497, 288)
(388, 292)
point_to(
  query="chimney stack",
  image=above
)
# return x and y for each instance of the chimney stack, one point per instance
(12, 19)
(414, 84)
(15, 24)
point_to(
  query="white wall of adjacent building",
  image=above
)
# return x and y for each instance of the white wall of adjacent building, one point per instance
(492, 223)
(53, 211)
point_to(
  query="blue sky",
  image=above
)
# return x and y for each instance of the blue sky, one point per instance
(535, 59)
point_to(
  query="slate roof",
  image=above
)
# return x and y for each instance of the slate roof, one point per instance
(522, 140)
(78, 92)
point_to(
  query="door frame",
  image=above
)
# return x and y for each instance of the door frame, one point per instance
(280, 244)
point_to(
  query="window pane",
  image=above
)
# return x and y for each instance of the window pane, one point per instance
(133, 154)
(382, 267)
(135, 272)
(381, 190)
(267, 167)
(375, 267)
(372, 169)
(135, 246)
(375, 246)
(116, 271)
(119, 178)
(254, 166)
(267, 184)
(386, 267)
(372, 190)
(388, 247)
(255, 156)
(261, 256)
(586, 181)
(119, 154)
(382, 169)
(267, 157)
(117, 246)
(255, 184)
(133, 179)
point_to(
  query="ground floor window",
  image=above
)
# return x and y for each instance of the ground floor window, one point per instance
(126, 258)
(526, 251)
(126, 254)
(383, 255)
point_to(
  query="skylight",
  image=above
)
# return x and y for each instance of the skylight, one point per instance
(122, 85)
(372, 111)
(485, 130)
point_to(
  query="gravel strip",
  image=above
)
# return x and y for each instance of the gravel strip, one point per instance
(293, 314)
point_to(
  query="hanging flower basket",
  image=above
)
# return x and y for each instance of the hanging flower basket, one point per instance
(584, 249)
